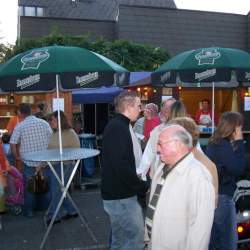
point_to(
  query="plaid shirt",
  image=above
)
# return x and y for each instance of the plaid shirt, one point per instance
(33, 135)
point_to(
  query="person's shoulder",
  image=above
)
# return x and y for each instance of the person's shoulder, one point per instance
(71, 131)
(117, 122)
(199, 171)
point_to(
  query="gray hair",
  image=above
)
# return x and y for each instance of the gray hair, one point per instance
(180, 135)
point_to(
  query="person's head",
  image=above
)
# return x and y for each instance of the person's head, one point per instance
(24, 109)
(227, 125)
(177, 109)
(150, 110)
(53, 120)
(190, 125)
(78, 126)
(5, 138)
(165, 108)
(205, 103)
(41, 107)
(128, 103)
(174, 142)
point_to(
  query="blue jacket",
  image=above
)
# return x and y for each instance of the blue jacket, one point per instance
(230, 163)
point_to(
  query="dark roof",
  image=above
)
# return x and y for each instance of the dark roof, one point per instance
(91, 9)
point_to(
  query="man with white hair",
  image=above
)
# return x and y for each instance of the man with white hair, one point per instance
(182, 200)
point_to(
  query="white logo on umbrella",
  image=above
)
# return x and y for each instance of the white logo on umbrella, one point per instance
(207, 56)
(34, 59)
(86, 79)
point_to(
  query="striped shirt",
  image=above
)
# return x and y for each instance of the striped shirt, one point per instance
(153, 202)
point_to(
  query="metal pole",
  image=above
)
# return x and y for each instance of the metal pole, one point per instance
(95, 117)
(59, 126)
(213, 107)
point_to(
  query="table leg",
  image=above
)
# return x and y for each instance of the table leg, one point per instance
(64, 193)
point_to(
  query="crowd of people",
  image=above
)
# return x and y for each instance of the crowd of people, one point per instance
(190, 192)
(159, 188)
(34, 132)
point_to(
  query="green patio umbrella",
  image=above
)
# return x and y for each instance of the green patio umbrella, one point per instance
(205, 67)
(36, 70)
(225, 67)
(65, 67)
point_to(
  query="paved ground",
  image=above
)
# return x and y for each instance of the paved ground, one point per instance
(20, 233)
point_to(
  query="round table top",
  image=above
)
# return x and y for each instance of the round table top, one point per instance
(86, 136)
(67, 154)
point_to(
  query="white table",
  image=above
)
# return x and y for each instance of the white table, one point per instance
(68, 154)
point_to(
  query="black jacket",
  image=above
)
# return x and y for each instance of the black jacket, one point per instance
(119, 178)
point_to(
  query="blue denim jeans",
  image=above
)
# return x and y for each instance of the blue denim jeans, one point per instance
(56, 192)
(126, 223)
(29, 198)
(224, 232)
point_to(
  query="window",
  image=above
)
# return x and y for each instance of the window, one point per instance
(39, 11)
(31, 11)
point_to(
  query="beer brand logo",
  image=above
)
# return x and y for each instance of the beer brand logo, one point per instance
(205, 74)
(28, 81)
(165, 77)
(84, 80)
(34, 59)
(207, 56)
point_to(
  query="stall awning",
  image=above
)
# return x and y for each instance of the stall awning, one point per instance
(139, 78)
(98, 95)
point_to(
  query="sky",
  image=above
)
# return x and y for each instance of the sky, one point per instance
(8, 21)
(8, 12)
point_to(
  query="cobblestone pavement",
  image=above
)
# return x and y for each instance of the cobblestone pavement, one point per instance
(21, 233)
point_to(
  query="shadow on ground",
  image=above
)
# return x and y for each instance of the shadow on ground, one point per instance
(20, 233)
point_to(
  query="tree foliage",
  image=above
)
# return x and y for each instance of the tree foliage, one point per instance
(133, 56)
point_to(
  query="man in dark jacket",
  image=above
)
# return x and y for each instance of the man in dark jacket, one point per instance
(120, 183)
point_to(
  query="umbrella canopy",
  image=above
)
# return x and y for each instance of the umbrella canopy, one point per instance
(99, 95)
(36, 70)
(225, 67)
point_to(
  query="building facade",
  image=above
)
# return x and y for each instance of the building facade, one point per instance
(155, 22)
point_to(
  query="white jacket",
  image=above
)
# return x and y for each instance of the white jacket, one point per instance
(184, 213)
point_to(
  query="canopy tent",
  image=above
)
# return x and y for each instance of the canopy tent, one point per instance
(139, 78)
(97, 95)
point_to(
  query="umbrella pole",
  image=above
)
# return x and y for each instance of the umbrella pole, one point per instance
(213, 107)
(95, 118)
(59, 127)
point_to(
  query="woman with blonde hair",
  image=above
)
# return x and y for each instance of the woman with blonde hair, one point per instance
(177, 109)
(226, 150)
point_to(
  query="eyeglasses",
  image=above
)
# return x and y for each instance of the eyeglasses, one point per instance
(161, 143)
